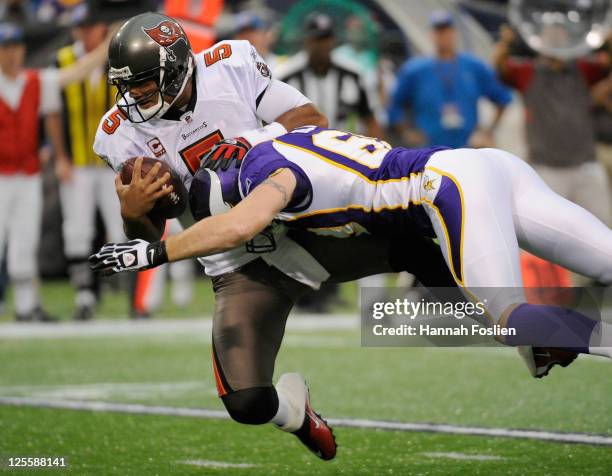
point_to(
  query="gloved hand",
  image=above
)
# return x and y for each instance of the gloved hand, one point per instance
(134, 255)
(225, 153)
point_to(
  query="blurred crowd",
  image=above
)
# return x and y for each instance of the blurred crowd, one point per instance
(57, 199)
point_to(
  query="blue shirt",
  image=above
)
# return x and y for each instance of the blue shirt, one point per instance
(429, 86)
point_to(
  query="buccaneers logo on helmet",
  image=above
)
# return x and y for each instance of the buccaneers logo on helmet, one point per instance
(166, 33)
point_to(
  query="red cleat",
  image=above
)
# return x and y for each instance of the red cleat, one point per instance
(308, 426)
(316, 434)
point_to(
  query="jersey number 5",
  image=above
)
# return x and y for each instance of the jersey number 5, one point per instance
(113, 121)
(192, 154)
(222, 51)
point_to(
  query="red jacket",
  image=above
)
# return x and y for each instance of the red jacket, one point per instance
(19, 131)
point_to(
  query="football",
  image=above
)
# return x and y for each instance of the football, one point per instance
(170, 206)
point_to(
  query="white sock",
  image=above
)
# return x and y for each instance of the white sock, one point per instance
(284, 409)
(25, 293)
(85, 298)
(601, 340)
(292, 394)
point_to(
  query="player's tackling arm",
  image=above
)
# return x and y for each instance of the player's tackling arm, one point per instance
(239, 225)
(209, 236)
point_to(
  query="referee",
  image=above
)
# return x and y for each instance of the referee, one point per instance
(335, 85)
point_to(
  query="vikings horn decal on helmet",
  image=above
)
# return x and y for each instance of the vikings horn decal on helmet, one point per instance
(149, 48)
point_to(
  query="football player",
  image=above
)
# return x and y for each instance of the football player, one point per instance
(479, 203)
(181, 107)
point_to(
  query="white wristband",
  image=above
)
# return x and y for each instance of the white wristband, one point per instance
(269, 132)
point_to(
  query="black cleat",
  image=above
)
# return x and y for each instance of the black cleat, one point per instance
(547, 357)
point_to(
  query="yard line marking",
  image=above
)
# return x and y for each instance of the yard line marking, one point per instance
(543, 435)
(109, 390)
(102, 328)
(462, 456)
(134, 408)
(204, 463)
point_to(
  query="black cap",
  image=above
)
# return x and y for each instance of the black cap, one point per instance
(319, 25)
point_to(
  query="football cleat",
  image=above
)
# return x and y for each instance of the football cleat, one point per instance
(316, 434)
(312, 430)
(540, 360)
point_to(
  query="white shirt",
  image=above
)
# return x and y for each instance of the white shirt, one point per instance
(11, 90)
(226, 106)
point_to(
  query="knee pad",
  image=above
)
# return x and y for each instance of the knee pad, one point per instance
(252, 406)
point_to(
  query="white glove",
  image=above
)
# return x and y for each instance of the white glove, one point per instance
(134, 255)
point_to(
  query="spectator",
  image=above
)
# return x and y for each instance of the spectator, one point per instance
(253, 28)
(87, 183)
(25, 95)
(442, 93)
(16, 11)
(560, 129)
(602, 98)
(335, 85)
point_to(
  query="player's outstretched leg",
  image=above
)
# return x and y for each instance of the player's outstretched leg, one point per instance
(558, 230)
(248, 327)
(487, 202)
(295, 415)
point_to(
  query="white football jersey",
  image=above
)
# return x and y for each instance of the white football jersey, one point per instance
(230, 78)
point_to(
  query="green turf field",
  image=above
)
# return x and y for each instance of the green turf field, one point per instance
(475, 387)
(58, 299)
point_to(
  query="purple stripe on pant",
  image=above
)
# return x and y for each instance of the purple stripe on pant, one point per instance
(448, 202)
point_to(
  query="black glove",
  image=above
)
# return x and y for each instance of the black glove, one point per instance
(134, 255)
(225, 153)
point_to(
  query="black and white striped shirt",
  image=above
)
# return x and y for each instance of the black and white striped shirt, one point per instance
(342, 94)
